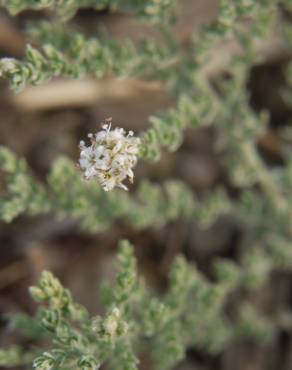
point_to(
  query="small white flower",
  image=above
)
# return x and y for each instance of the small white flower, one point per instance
(112, 322)
(110, 157)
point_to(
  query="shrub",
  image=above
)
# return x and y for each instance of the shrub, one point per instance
(192, 312)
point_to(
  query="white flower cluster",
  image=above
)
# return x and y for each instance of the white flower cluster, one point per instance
(110, 157)
(111, 323)
(7, 65)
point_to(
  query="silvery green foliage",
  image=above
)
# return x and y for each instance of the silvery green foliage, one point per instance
(191, 314)
(81, 58)
(15, 356)
(71, 196)
(69, 53)
(23, 192)
(154, 10)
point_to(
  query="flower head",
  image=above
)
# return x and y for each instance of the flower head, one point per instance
(111, 156)
(7, 65)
